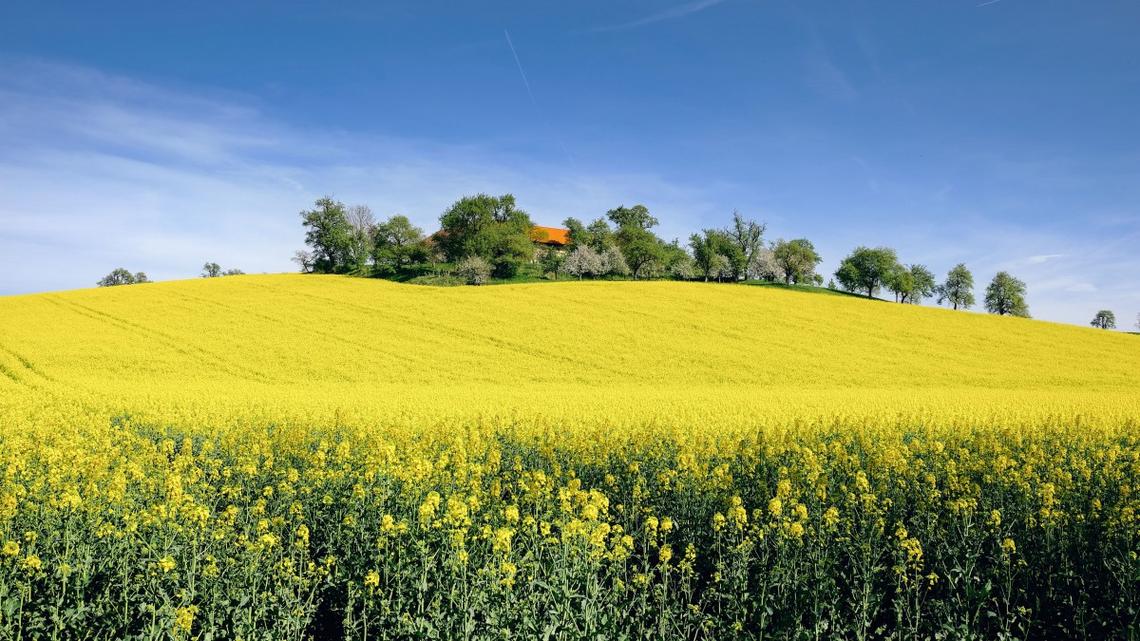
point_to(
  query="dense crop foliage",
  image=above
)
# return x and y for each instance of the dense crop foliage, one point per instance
(288, 457)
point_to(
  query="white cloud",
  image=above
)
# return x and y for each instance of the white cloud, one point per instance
(102, 172)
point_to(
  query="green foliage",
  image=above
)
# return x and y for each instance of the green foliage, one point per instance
(867, 269)
(798, 259)
(642, 249)
(747, 237)
(1104, 319)
(397, 243)
(552, 261)
(958, 290)
(492, 228)
(332, 239)
(1006, 296)
(120, 276)
(636, 217)
(214, 270)
(911, 285)
(711, 250)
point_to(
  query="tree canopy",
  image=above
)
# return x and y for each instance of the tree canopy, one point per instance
(120, 276)
(1104, 319)
(396, 242)
(958, 288)
(330, 236)
(492, 228)
(867, 269)
(797, 258)
(1005, 295)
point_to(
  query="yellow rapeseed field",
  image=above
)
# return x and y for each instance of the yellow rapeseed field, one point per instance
(287, 456)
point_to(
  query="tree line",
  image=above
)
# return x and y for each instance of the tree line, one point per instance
(484, 237)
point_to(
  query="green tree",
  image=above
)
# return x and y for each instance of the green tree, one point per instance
(642, 249)
(330, 236)
(797, 258)
(121, 276)
(1104, 319)
(632, 217)
(867, 269)
(489, 227)
(397, 243)
(1006, 296)
(707, 246)
(211, 270)
(748, 239)
(958, 289)
(552, 261)
(911, 284)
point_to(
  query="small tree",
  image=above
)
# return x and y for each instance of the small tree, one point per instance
(474, 270)
(911, 284)
(1006, 296)
(958, 289)
(121, 276)
(867, 269)
(613, 263)
(211, 270)
(1104, 319)
(747, 238)
(552, 261)
(707, 246)
(233, 272)
(583, 261)
(797, 258)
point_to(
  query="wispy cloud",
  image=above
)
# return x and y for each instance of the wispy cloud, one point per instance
(1040, 259)
(98, 171)
(672, 13)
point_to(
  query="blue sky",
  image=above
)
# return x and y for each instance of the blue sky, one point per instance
(1003, 134)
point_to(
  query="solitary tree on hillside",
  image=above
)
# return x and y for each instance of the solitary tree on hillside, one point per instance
(958, 290)
(797, 258)
(1104, 319)
(1006, 296)
(867, 269)
(211, 270)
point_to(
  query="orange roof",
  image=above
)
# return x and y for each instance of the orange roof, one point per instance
(550, 235)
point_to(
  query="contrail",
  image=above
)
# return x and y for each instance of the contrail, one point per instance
(521, 72)
(988, 3)
(535, 102)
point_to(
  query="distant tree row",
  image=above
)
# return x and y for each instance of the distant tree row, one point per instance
(214, 270)
(121, 276)
(484, 237)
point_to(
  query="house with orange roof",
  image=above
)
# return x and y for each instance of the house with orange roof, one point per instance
(555, 237)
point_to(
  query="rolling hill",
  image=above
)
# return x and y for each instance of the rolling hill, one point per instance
(311, 347)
